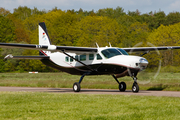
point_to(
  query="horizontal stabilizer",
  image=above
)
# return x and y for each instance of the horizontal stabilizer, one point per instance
(27, 57)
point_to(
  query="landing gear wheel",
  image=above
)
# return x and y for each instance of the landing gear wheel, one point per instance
(122, 86)
(135, 87)
(76, 87)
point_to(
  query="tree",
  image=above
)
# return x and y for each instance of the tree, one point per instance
(63, 30)
(172, 18)
(20, 32)
(35, 11)
(137, 33)
(167, 36)
(111, 13)
(153, 20)
(4, 12)
(126, 20)
(7, 29)
(99, 29)
(22, 12)
(160, 18)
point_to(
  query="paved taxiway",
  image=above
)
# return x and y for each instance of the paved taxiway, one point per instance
(92, 91)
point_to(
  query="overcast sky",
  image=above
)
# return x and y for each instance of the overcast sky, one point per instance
(144, 6)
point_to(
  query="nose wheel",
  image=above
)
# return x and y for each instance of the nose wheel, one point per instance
(135, 86)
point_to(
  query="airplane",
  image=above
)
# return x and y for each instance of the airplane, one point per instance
(88, 61)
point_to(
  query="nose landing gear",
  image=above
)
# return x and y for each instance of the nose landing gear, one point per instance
(135, 86)
(122, 85)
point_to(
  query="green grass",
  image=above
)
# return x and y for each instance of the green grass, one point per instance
(28, 105)
(164, 81)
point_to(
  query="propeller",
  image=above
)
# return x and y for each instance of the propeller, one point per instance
(146, 75)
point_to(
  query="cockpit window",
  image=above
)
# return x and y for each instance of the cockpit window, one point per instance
(123, 51)
(99, 57)
(111, 52)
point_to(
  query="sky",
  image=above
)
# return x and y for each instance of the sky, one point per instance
(144, 6)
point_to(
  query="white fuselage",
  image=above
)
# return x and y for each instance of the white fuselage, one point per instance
(128, 61)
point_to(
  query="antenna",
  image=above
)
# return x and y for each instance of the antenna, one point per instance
(97, 45)
(110, 44)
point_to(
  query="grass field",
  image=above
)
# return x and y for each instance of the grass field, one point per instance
(37, 106)
(164, 81)
(49, 106)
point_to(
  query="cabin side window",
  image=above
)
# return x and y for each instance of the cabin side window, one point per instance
(76, 57)
(91, 56)
(71, 60)
(67, 59)
(98, 57)
(82, 57)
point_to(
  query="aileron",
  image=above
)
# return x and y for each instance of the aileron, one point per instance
(139, 49)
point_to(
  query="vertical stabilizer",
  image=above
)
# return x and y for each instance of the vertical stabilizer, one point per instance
(43, 35)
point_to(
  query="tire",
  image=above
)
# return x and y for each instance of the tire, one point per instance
(76, 87)
(122, 86)
(135, 88)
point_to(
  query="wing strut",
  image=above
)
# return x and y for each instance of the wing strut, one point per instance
(146, 52)
(78, 61)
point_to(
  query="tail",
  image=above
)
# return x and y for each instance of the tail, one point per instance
(43, 35)
(43, 38)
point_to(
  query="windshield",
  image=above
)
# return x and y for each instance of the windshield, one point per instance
(123, 51)
(111, 52)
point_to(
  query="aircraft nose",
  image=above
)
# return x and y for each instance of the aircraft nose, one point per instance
(143, 63)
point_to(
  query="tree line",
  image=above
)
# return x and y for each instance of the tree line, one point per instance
(85, 28)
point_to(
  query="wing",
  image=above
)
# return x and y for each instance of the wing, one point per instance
(79, 49)
(49, 47)
(139, 49)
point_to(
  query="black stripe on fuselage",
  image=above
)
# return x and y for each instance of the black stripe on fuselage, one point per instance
(99, 69)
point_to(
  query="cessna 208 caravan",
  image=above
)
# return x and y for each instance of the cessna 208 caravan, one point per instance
(88, 61)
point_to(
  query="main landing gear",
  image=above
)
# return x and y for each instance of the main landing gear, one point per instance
(76, 85)
(122, 85)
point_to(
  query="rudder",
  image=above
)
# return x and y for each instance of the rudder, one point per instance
(43, 35)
